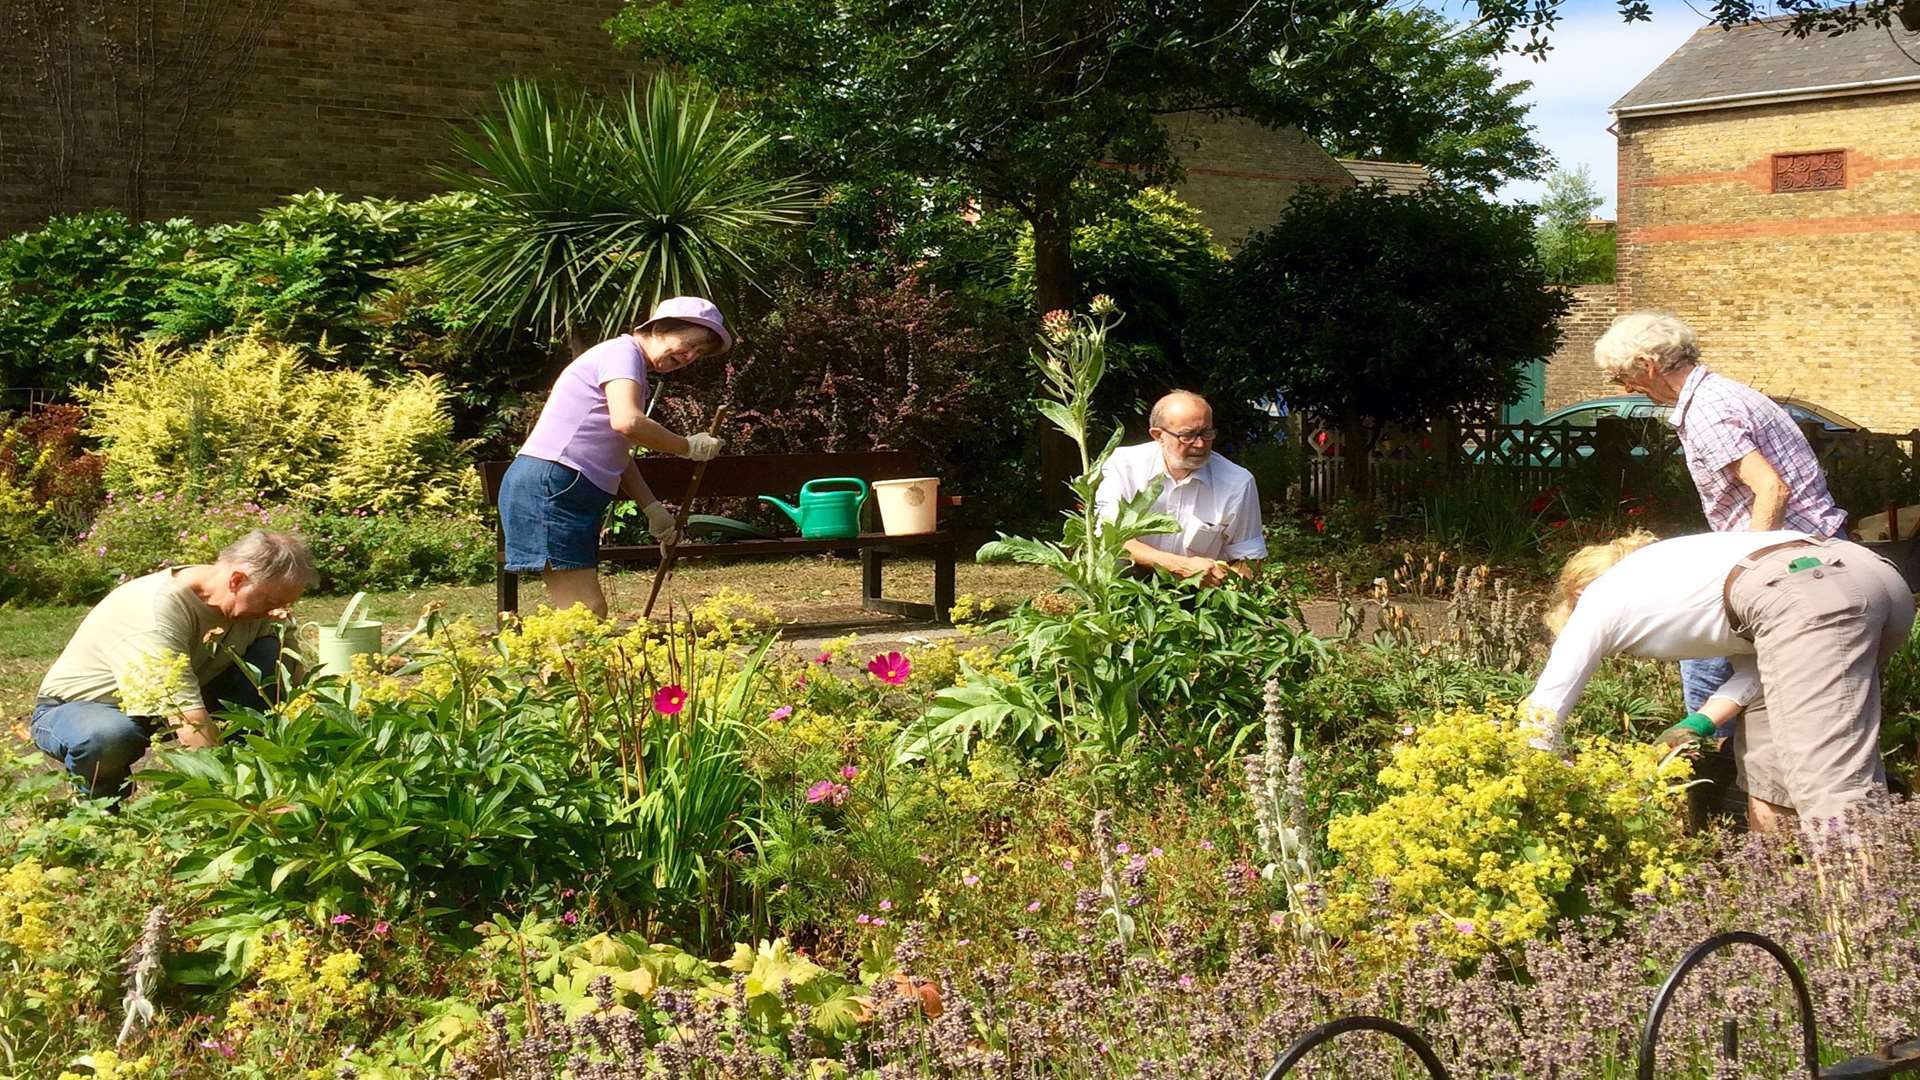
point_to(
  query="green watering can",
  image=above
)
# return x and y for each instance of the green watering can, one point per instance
(827, 515)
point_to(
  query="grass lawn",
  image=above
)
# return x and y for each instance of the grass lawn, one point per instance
(816, 592)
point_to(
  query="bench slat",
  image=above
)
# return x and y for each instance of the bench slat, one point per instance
(648, 554)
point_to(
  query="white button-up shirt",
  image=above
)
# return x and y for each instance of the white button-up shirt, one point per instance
(1217, 506)
(1665, 601)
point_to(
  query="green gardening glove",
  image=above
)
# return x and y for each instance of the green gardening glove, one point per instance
(1691, 732)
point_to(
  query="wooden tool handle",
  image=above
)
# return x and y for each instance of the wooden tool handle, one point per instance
(680, 519)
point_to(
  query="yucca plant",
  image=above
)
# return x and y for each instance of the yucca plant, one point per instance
(570, 215)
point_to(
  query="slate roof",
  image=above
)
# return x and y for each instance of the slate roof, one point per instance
(1758, 61)
(1401, 177)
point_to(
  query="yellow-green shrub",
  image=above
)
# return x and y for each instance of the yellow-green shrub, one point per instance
(250, 415)
(1498, 840)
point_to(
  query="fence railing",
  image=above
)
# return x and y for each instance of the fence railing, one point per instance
(1614, 459)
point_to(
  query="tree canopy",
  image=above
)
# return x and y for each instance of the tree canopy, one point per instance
(1365, 305)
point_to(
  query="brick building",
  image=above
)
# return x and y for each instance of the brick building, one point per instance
(356, 97)
(1770, 195)
(214, 110)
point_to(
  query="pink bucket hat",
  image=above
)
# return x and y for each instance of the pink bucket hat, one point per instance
(692, 309)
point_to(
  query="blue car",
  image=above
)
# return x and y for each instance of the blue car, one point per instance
(1638, 407)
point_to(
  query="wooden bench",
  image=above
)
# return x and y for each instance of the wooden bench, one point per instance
(780, 475)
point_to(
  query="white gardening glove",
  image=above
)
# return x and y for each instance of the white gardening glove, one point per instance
(660, 523)
(702, 446)
(1549, 733)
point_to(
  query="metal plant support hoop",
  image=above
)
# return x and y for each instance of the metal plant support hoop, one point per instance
(1895, 1060)
(1334, 1029)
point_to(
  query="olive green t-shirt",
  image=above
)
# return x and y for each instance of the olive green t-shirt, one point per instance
(124, 644)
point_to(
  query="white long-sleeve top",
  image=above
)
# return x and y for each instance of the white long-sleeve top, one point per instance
(1665, 601)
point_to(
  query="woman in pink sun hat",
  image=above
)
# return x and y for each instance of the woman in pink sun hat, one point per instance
(580, 455)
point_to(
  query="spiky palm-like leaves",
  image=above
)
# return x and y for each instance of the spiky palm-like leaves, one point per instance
(572, 215)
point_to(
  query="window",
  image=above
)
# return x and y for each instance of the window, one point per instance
(1818, 170)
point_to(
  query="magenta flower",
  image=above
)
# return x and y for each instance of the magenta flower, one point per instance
(224, 1049)
(890, 668)
(571, 918)
(669, 699)
(826, 791)
(382, 928)
(864, 919)
(886, 905)
(824, 658)
(780, 713)
(341, 919)
(848, 772)
(1033, 906)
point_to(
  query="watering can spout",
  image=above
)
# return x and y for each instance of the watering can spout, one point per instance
(791, 511)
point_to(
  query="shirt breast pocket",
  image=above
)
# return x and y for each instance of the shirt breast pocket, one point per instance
(1205, 539)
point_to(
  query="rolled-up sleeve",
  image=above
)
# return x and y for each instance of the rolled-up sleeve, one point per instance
(1744, 684)
(1246, 534)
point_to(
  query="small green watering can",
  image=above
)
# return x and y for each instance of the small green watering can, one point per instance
(827, 515)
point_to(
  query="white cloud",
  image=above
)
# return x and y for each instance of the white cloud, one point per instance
(1596, 59)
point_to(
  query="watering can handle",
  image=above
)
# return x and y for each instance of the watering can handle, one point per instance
(353, 607)
(854, 480)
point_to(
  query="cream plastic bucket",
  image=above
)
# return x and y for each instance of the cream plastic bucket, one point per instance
(908, 507)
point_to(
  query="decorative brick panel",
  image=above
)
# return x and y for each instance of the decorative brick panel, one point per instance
(1822, 170)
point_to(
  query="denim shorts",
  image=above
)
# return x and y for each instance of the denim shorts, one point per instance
(551, 516)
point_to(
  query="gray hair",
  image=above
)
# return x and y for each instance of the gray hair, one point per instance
(1158, 417)
(1646, 335)
(272, 556)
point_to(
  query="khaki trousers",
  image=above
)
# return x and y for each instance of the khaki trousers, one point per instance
(1812, 740)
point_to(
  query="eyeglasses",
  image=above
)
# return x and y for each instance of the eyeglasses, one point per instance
(1191, 438)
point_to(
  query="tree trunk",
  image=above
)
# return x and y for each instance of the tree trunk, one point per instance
(1053, 291)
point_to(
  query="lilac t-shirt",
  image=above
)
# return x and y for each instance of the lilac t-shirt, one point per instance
(574, 429)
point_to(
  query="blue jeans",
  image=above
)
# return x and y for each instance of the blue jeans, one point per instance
(1700, 678)
(99, 744)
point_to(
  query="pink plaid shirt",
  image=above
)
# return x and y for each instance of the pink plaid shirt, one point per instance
(1721, 421)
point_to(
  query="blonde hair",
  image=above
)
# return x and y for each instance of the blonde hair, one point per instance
(1583, 567)
(1646, 335)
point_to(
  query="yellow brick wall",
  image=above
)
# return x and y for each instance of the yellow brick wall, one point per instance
(1241, 174)
(1807, 294)
(1571, 373)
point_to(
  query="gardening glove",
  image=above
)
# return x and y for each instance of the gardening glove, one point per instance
(660, 523)
(1694, 731)
(702, 446)
(1549, 734)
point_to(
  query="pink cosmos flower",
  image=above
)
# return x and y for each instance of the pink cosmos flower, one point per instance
(886, 905)
(780, 713)
(826, 791)
(1066, 864)
(669, 699)
(341, 919)
(970, 879)
(1206, 845)
(864, 919)
(221, 1047)
(571, 918)
(890, 668)
(824, 658)
(382, 928)
(1033, 906)
(848, 772)
(1122, 848)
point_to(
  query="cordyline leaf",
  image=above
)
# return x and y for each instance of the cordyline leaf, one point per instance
(572, 217)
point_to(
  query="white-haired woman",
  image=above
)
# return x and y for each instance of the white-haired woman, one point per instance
(1750, 462)
(580, 455)
(1807, 622)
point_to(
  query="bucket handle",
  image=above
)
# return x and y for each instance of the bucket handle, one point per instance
(347, 616)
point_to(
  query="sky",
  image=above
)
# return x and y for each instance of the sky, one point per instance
(1596, 59)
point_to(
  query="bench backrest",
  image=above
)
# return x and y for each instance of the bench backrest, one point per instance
(748, 475)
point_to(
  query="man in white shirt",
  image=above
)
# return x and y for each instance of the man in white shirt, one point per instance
(1214, 501)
